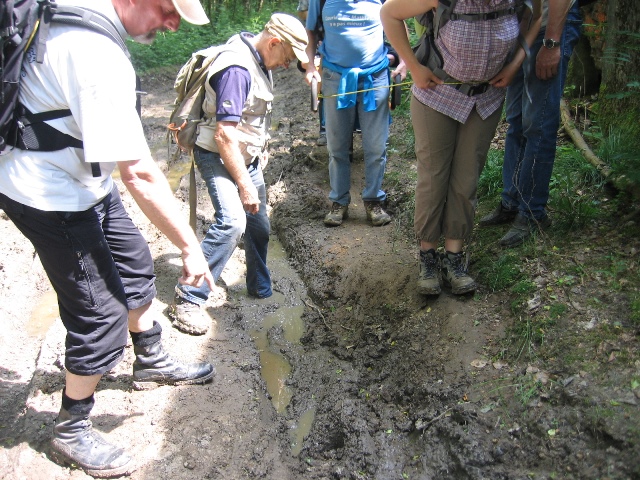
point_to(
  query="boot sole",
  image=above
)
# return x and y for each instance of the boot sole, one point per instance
(429, 291)
(153, 384)
(62, 459)
(461, 290)
(380, 224)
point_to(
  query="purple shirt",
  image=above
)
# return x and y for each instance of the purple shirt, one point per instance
(232, 89)
(473, 52)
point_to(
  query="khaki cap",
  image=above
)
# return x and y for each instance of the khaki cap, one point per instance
(289, 29)
(191, 11)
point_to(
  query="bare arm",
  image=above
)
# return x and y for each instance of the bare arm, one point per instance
(312, 48)
(392, 14)
(150, 189)
(548, 59)
(227, 141)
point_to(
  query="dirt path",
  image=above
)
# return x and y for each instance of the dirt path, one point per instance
(344, 373)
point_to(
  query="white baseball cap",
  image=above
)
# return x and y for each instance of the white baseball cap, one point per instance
(191, 11)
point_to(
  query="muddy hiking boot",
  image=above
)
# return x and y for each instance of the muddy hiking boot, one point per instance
(429, 276)
(522, 229)
(153, 366)
(188, 317)
(376, 214)
(500, 215)
(455, 275)
(336, 215)
(75, 443)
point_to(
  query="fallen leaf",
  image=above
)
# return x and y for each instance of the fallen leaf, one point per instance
(479, 363)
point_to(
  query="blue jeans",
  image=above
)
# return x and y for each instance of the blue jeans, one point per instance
(375, 131)
(530, 146)
(231, 221)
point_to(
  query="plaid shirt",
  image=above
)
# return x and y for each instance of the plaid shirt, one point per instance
(473, 52)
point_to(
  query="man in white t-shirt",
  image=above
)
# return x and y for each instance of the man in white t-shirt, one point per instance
(98, 262)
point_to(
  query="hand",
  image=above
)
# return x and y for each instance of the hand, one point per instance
(505, 76)
(311, 74)
(195, 269)
(249, 198)
(547, 62)
(401, 70)
(423, 77)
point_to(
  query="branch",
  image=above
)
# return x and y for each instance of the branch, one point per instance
(620, 182)
(570, 127)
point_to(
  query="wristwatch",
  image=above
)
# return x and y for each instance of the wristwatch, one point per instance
(550, 43)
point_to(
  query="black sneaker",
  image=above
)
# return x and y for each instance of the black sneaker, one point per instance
(522, 229)
(498, 216)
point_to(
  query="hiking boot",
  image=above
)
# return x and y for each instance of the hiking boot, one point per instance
(376, 214)
(455, 275)
(188, 317)
(322, 139)
(428, 281)
(153, 366)
(522, 229)
(75, 443)
(498, 216)
(336, 215)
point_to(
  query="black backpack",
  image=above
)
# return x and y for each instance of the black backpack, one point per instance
(23, 22)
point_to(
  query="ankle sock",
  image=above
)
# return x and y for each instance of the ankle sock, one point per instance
(77, 407)
(148, 337)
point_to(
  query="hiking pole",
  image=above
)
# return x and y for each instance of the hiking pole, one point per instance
(314, 95)
(396, 92)
(193, 199)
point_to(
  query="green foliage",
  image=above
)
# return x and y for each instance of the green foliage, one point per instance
(227, 19)
(573, 190)
(635, 309)
(501, 272)
(490, 182)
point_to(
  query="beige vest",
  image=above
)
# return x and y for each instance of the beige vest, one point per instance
(253, 129)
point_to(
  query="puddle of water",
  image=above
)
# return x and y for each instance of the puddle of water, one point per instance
(175, 174)
(275, 370)
(43, 315)
(301, 430)
(291, 320)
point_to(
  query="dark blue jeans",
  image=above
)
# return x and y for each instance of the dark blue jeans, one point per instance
(231, 221)
(530, 147)
(100, 267)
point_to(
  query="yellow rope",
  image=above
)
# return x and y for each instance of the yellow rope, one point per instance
(379, 88)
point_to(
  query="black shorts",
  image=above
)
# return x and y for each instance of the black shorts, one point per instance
(100, 267)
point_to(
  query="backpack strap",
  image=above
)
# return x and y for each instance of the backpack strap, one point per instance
(33, 133)
(80, 17)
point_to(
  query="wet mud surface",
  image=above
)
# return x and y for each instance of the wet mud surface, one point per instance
(345, 373)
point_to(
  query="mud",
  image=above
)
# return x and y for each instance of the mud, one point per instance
(345, 373)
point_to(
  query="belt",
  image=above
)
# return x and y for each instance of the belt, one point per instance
(471, 89)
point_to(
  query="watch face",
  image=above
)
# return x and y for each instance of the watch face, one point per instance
(550, 43)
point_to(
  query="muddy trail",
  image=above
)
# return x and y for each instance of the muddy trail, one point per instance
(345, 373)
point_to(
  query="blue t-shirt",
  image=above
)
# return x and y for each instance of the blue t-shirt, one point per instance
(353, 35)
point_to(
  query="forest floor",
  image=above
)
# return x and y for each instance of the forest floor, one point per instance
(346, 372)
